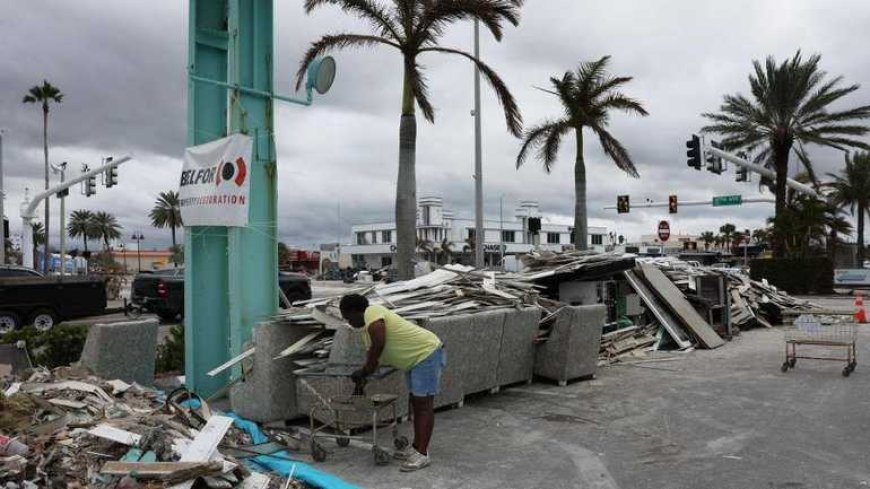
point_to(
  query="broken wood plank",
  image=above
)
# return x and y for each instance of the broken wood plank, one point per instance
(163, 471)
(117, 435)
(67, 403)
(664, 317)
(232, 361)
(204, 446)
(296, 347)
(676, 301)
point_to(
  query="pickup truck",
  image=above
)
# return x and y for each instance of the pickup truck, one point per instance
(27, 297)
(162, 291)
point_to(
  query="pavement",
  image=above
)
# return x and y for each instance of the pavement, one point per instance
(721, 419)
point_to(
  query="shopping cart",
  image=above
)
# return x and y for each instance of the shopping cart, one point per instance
(338, 417)
(809, 331)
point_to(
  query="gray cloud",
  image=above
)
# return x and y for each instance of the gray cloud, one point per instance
(122, 68)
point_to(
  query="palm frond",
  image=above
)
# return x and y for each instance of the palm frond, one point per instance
(614, 149)
(536, 136)
(513, 118)
(621, 102)
(368, 10)
(333, 42)
(419, 88)
(437, 14)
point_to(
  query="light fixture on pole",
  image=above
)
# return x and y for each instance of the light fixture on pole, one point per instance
(137, 237)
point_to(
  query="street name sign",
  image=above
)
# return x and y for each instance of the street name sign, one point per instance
(727, 200)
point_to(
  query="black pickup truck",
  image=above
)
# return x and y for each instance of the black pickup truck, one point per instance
(162, 291)
(27, 297)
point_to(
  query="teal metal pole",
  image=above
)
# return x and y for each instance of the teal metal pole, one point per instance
(231, 274)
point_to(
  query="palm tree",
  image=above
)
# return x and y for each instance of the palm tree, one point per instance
(790, 108)
(808, 221)
(707, 237)
(426, 247)
(445, 250)
(107, 227)
(167, 213)
(81, 225)
(414, 27)
(727, 231)
(588, 97)
(44, 94)
(852, 189)
(38, 239)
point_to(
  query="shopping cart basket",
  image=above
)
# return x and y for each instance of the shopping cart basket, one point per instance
(809, 331)
(338, 417)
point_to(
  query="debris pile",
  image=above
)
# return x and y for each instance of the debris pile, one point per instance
(66, 429)
(540, 265)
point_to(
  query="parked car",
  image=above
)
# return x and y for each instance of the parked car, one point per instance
(27, 297)
(162, 291)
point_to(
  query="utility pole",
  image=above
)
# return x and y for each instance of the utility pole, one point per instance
(479, 237)
(501, 230)
(62, 170)
(2, 197)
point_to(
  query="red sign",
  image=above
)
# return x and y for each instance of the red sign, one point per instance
(664, 231)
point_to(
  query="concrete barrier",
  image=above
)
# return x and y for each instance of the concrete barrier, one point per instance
(571, 352)
(124, 350)
(448, 329)
(268, 393)
(516, 356)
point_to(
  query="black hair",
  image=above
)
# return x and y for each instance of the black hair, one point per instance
(353, 302)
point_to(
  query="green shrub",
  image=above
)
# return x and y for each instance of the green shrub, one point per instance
(170, 355)
(60, 346)
(796, 275)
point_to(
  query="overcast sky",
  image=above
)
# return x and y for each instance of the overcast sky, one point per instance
(121, 66)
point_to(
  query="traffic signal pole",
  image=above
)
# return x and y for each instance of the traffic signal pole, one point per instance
(693, 203)
(28, 208)
(766, 172)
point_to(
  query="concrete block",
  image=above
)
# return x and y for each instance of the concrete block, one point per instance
(347, 347)
(516, 358)
(341, 388)
(268, 393)
(478, 359)
(448, 330)
(124, 350)
(571, 351)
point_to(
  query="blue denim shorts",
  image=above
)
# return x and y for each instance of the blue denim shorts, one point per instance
(425, 378)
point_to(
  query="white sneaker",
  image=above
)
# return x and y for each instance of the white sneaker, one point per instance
(403, 454)
(415, 461)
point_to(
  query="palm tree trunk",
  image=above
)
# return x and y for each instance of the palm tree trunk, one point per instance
(780, 155)
(86, 244)
(580, 230)
(46, 257)
(860, 236)
(406, 187)
(174, 249)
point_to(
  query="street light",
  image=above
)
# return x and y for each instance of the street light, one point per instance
(137, 237)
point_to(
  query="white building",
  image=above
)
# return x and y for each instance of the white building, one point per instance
(374, 245)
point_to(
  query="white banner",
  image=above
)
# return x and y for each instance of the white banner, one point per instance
(215, 182)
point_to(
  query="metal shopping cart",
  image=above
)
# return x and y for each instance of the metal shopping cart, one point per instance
(810, 331)
(337, 417)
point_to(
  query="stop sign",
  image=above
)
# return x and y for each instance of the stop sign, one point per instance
(664, 230)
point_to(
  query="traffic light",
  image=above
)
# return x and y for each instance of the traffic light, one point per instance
(91, 186)
(534, 225)
(714, 163)
(623, 205)
(742, 175)
(112, 177)
(693, 152)
(672, 204)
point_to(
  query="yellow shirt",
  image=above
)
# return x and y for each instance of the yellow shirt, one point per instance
(406, 344)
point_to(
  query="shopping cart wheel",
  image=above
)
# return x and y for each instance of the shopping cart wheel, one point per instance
(342, 441)
(400, 442)
(785, 366)
(792, 362)
(382, 457)
(318, 453)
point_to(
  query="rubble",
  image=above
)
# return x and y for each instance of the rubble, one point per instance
(71, 429)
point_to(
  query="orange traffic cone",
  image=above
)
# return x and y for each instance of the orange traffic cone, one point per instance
(861, 313)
